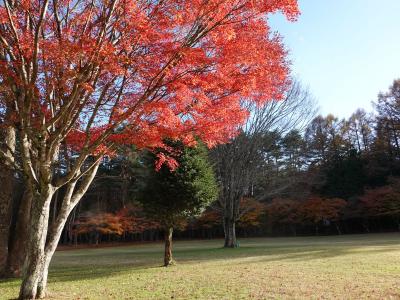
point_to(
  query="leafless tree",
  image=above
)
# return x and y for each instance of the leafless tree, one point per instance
(237, 163)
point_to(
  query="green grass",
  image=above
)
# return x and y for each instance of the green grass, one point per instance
(340, 267)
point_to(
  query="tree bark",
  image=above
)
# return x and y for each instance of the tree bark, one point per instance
(36, 258)
(168, 260)
(18, 243)
(230, 233)
(6, 194)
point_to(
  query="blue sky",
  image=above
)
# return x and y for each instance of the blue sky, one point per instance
(345, 51)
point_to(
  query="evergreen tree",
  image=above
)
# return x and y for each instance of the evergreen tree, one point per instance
(170, 196)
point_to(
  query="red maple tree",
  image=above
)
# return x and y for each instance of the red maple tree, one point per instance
(79, 77)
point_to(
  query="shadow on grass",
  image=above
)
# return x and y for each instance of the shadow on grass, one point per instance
(92, 264)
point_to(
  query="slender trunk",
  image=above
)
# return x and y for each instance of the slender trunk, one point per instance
(294, 230)
(396, 139)
(51, 246)
(358, 141)
(397, 221)
(71, 234)
(18, 243)
(168, 260)
(6, 194)
(365, 224)
(36, 259)
(125, 184)
(230, 233)
(338, 229)
(55, 206)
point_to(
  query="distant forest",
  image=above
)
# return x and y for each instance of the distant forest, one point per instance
(327, 176)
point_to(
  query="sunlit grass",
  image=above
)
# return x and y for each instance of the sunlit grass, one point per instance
(341, 267)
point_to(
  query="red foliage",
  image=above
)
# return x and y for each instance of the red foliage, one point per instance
(133, 220)
(382, 201)
(104, 72)
(317, 209)
(283, 211)
(127, 220)
(251, 212)
(314, 210)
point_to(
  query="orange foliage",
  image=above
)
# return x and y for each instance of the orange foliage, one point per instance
(127, 220)
(252, 210)
(133, 220)
(317, 209)
(103, 223)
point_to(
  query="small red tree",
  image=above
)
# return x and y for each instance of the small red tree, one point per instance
(99, 224)
(316, 210)
(383, 201)
(129, 219)
(283, 212)
(134, 220)
(79, 77)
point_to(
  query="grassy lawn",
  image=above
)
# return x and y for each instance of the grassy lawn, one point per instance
(340, 267)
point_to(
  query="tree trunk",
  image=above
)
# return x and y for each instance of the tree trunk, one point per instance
(294, 230)
(168, 260)
(18, 243)
(41, 248)
(6, 179)
(35, 261)
(6, 194)
(230, 233)
(42, 284)
(365, 224)
(338, 229)
(51, 246)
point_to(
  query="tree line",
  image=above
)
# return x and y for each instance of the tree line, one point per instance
(325, 176)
